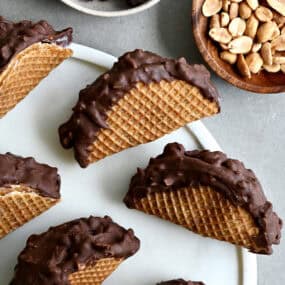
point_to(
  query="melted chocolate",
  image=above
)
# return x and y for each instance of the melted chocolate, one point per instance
(131, 3)
(15, 37)
(49, 258)
(16, 170)
(90, 113)
(177, 168)
(180, 282)
(134, 3)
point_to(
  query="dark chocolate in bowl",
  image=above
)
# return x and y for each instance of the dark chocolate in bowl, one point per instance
(111, 5)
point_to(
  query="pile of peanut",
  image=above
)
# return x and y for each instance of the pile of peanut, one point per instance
(251, 35)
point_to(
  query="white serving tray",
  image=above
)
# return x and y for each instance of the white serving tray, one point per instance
(167, 251)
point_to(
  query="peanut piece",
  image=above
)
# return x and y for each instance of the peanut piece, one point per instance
(225, 19)
(253, 4)
(241, 45)
(228, 57)
(211, 7)
(234, 7)
(279, 43)
(266, 54)
(237, 27)
(280, 20)
(244, 11)
(278, 5)
(220, 35)
(256, 47)
(226, 5)
(251, 26)
(276, 33)
(242, 66)
(254, 62)
(265, 32)
(272, 68)
(263, 14)
(279, 60)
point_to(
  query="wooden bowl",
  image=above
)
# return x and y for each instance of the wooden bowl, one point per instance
(264, 82)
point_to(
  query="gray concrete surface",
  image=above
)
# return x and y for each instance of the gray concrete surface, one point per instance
(251, 127)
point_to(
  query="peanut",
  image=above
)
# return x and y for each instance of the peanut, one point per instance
(242, 66)
(256, 47)
(266, 54)
(233, 12)
(253, 4)
(220, 35)
(241, 45)
(279, 60)
(278, 19)
(244, 11)
(276, 33)
(226, 5)
(266, 31)
(228, 57)
(263, 14)
(251, 27)
(211, 7)
(278, 5)
(272, 68)
(279, 43)
(237, 27)
(225, 19)
(254, 62)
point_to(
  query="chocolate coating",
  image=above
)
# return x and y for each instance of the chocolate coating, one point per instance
(16, 170)
(49, 258)
(131, 3)
(15, 37)
(134, 3)
(90, 113)
(177, 168)
(180, 282)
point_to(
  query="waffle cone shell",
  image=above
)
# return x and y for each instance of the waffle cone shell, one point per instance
(95, 273)
(26, 70)
(146, 113)
(204, 211)
(20, 204)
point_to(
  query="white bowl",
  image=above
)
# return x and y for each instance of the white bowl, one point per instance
(110, 8)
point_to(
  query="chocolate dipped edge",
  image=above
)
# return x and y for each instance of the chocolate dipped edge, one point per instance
(16, 170)
(51, 257)
(90, 112)
(176, 168)
(16, 37)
